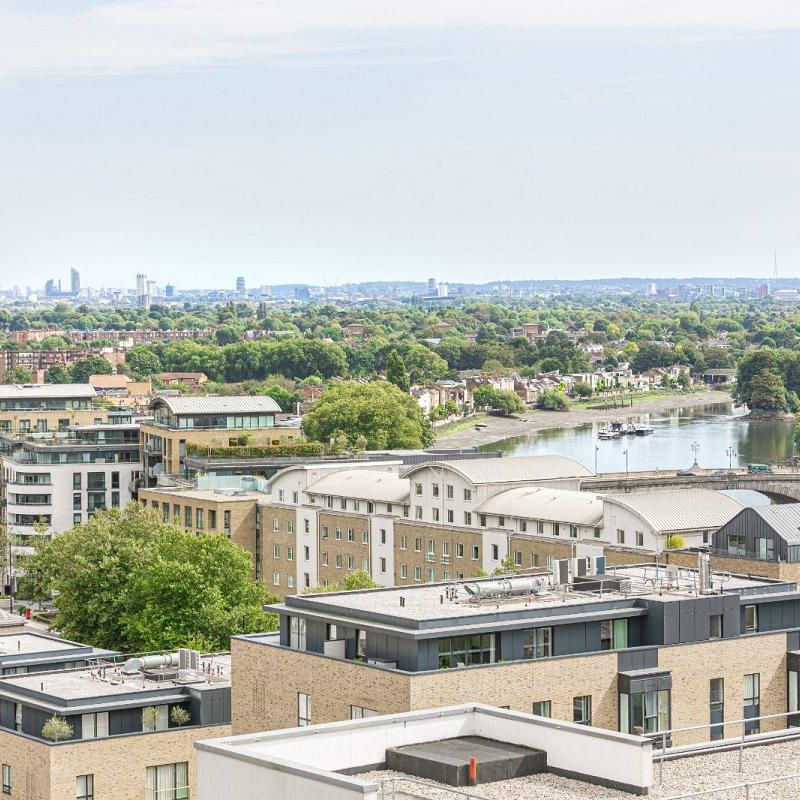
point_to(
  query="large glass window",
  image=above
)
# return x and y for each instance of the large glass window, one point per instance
(542, 708)
(537, 643)
(94, 726)
(297, 633)
(168, 782)
(750, 619)
(737, 544)
(716, 708)
(648, 712)
(582, 709)
(463, 651)
(766, 549)
(154, 718)
(84, 787)
(614, 634)
(752, 702)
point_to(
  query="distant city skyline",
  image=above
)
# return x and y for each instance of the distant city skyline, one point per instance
(197, 141)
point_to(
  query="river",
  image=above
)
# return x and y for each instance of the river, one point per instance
(714, 429)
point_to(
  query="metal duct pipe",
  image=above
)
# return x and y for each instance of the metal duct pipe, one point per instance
(134, 665)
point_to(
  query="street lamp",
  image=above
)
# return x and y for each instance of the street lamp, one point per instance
(731, 453)
(695, 448)
(626, 462)
(596, 449)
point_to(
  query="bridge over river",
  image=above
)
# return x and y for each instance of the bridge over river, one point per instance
(782, 485)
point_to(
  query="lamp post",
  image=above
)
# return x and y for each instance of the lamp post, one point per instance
(596, 450)
(731, 453)
(695, 448)
(626, 462)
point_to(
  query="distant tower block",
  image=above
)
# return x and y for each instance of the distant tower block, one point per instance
(240, 287)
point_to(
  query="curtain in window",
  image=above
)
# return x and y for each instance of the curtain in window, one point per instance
(182, 780)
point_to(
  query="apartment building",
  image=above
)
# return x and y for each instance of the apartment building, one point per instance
(29, 651)
(50, 482)
(47, 407)
(180, 424)
(645, 649)
(121, 729)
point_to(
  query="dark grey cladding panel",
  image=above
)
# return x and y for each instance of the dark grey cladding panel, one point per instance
(793, 640)
(671, 623)
(793, 660)
(654, 680)
(642, 658)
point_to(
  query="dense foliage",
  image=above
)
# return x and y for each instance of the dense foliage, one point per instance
(375, 415)
(128, 581)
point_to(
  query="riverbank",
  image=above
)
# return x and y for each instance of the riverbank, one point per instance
(499, 428)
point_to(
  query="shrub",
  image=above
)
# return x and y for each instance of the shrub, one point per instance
(179, 716)
(56, 729)
(675, 542)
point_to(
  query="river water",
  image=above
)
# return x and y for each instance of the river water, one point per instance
(714, 429)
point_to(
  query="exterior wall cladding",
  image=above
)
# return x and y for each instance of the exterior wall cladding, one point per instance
(669, 646)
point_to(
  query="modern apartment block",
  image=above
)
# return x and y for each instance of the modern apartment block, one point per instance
(47, 407)
(53, 481)
(643, 649)
(180, 424)
(29, 651)
(124, 729)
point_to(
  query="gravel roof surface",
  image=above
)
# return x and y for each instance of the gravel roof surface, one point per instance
(683, 775)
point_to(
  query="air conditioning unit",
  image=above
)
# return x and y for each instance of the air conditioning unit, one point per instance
(188, 659)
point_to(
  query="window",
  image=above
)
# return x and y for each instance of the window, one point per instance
(338, 561)
(165, 512)
(295, 497)
(431, 552)
(706, 537)
(95, 726)
(351, 562)
(280, 495)
(435, 514)
(115, 480)
(76, 519)
(556, 529)
(356, 505)
(417, 512)
(449, 491)
(403, 542)
(343, 503)
(276, 551)
(404, 570)
(614, 634)
(6, 779)
(351, 535)
(198, 517)
(765, 549)
(187, 517)
(537, 643)
(459, 550)
(620, 536)
(501, 521)
(84, 787)
(76, 480)
(649, 712)
(737, 544)
(482, 520)
(417, 573)
(476, 553)
(365, 537)
(716, 708)
(540, 527)
(417, 489)
(176, 513)
(383, 564)
(523, 525)
(445, 552)
(168, 782)
(431, 574)
(597, 533)
(468, 494)
(297, 633)
(158, 721)
(463, 651)
(290, 581)
(337, 534)
(324, 531)
(290, 553)
(541, 708)
(573, 531)
(324, 559)
(435, 489)
(582, 709)
(289, 526)
(715, 622)
(495, 552)
(359, 712)
(639, 539)
(306, 553)
(388, 508)
(752, 702)
(750, 619)
(517, 558)
(370, 507)
(468, 518)
(361, 644)
(417, 545)
(332, 633)
(534, 559)
(383, 535)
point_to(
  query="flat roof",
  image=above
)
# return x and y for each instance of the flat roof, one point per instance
(94, 682)
(429, 602)
(36, 391)
(12, 644)
(208, 495)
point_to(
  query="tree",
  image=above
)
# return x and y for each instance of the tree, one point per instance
(553, 400)
(94, 365)
(282, 396)
(59, 373)
(57, 729)
(17, 374)
(767, 391)
(179, 716)
(143, 362)
(501, 400)
(396, 372)
(126, 580)
(582, 390)
(353, 581)
(384, 415)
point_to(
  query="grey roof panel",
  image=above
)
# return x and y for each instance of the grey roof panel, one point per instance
(239, 404)
(47, 391)
(513, 469)
(784, 519)
(681, 510)
(539, 502)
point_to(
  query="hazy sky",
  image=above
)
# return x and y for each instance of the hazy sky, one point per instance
(333, 140)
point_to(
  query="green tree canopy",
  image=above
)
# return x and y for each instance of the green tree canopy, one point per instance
(94, 365)
(17, 375)
(396, 372)
(378, 411)
(128, 581)
(504, 401)
(143, 362)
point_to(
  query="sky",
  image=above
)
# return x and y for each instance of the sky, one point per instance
(328, 141)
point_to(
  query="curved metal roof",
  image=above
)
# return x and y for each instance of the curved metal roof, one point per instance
(363, 484)
(513, 469)
(36, 391)
(680, 510)
(553, 505)
(238, 404)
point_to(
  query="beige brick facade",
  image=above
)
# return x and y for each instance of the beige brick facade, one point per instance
(267, 680)
(12, 421)
(411, 549)
(279, 530)
(42, 771)
(342, 555)
(528, 552)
